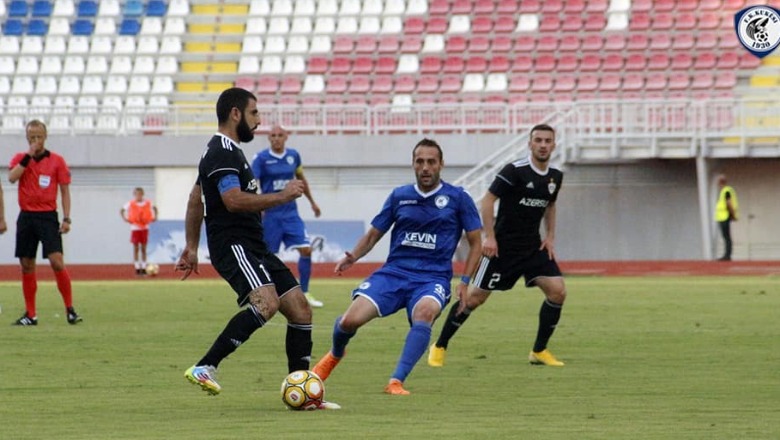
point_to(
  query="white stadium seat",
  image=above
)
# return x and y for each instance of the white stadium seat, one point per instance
(51, 65)
(74, 65)
(96, 65)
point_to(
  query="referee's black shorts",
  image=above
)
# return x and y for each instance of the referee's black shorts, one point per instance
(247, 264)
(35, 227)
(502, 272)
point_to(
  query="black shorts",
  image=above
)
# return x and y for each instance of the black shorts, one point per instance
(35, 227)
(247, 264)
(502, 272)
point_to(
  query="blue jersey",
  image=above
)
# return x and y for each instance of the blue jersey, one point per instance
(427, 227)
(273, 172)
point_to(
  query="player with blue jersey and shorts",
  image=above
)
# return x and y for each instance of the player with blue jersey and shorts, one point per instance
(273, 168)
(428, 220)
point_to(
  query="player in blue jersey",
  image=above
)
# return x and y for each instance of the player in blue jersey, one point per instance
(428, 220)
(527, 190)
(273, 168)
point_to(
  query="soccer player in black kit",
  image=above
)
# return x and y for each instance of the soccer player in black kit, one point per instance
(513, 247)
(225, 195)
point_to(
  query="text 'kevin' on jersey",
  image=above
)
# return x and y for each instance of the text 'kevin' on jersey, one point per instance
(525, 192)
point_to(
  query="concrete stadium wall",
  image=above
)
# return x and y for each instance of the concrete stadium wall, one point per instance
(643, 210)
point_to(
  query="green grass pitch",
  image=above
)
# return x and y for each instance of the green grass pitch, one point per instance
(646, 358)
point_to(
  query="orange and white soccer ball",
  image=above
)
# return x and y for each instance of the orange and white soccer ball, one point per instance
(302, 390)
(152, 269)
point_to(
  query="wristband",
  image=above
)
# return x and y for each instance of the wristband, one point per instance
(465, 279)
(25, 160)
(66, 220)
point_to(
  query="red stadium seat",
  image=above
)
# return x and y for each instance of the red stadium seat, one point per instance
(661, 41)
(428, 84)
(572, 23)
(749, 62)
(359, 85)
(590, 63)
(568, 63)
(450, 84)
(481, 25)
(385, 65)
(726, 80)
(727, 61)
(640, 21)
(388, 44)
(708, 5)
(363, 65)
(685, 22)
(382, 84)
(569, 43)
(728, 41)
(456, 44)
(679, 81)
(543, 83)
(641, 5)
(501, 44)
(565, 83)
(246, 83)
(597, 6)
(703, 81)
(504, 24)
(498, 64)
(658, 61)
(636, 62)
(430, 64)
(588, 83)
(709, 20)
(437, 25)
(343, 45)
(289, 101)
(525, 44)
(592, 43)
(317, 65)
(379, 100)
(707, 40)
(575, 6)
(615, 41)
(637, 42)
(705, 61)
(682, 61)
(664, 5)
(547, 43)
(544, 63)
(356, 100)
(526, 6)
(633, 82)
(519, 83)
(611, 82)
(495, 99)
(522, 63)
(484, 7)
(553, 6)
(733, 5)
(662, 21)
(684, 41)
(549, 22)
(365, 45)
(655, 81)
(414, 26)
(453, 64)
(612, 62)
(476, 65)
(336, 84)
(291, 85)
(687, 5)
(439, 7)
(595, 22)
(341, 65)
(267, 85)
(411, 44)
(462, 7)
(479, 44)
(404, 84)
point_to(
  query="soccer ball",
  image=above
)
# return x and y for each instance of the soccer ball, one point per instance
(152, 269)
(302, 390)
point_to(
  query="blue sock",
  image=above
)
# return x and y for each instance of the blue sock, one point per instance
(340, 339)
(304, 269)
(416, 342)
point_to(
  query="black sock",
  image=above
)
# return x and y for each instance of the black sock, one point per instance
(298, 344)
(452, 324)
(236, 332)
(549, 315)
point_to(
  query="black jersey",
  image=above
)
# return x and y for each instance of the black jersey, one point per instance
(524, 194)
(223, 157)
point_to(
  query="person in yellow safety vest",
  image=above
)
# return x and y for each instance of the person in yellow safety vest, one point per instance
(139, 212)
(726, 212)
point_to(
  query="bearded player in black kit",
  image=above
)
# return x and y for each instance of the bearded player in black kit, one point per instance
(225, 195)
(513, 247)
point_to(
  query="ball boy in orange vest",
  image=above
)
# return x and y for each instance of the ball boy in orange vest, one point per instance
(139, 212)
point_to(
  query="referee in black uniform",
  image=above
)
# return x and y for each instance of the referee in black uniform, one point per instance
(225, 194)
(513, 247)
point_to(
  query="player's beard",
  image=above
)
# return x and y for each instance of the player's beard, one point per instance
(245, 134)
(542, 159)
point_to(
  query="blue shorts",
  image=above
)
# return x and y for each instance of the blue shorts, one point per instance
(287, 229)
(391, 290)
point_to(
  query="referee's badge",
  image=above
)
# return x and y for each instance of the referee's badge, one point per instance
(441, 201)
(551, 186)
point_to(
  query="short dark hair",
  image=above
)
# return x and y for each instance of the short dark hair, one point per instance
(233, 97)
(425, 142)
(542, 127)
(36, 123)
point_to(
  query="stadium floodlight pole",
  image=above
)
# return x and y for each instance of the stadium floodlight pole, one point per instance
(703, 184)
